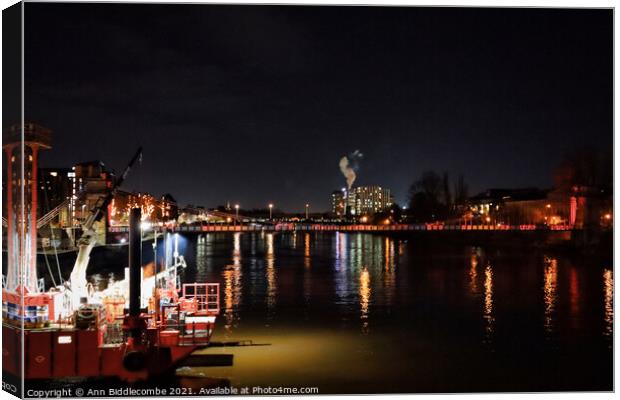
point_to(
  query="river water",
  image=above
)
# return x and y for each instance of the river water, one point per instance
(364, 313)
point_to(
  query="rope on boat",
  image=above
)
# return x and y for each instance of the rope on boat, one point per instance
(49, 268)
(56, 254)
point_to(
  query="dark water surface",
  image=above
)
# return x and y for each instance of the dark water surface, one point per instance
(362, 313)
(357, 313)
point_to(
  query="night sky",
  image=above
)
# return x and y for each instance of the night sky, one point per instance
(256, 104)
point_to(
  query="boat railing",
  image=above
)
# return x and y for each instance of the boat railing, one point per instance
(206, 296)
(177, 328)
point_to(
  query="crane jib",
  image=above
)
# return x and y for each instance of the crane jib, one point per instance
(98, 212)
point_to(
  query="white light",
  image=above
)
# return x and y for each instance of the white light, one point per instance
(123, 240)
(145, 225)
(64, 339)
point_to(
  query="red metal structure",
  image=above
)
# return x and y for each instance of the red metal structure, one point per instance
(21, 145)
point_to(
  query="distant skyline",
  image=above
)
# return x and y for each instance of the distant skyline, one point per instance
(257, 104)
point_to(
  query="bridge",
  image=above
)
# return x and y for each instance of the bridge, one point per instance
(312, 227)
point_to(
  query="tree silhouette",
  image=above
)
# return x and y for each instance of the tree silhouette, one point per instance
(430, 197)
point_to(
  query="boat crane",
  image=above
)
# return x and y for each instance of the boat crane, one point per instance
(77, 280)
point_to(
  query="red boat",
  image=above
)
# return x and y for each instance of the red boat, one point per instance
(106, 340)
(99, 343)
(67, 332)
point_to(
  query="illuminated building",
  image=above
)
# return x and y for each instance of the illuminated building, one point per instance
(578, 206)
(93, 180)
(22, 202)
(368, 200)
(169, 207)
(338, 198)
(361, 200)
(507, 205)
(56, 186)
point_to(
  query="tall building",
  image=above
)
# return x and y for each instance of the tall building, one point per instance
(338, 199)
(368, 200)
(361, 200)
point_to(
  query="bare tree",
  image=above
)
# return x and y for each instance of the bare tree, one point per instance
(447, 195)
(460, 191)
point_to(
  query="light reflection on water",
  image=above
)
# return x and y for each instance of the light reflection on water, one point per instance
(380, 279)
(270, 273)
(364, 293)
(608, 301)
(233, 293)
(389, 272)
(473, 273)
(488, 304)
(358, 273)
(417, 304)
(307, 274)
(307, 258)
(550, 292)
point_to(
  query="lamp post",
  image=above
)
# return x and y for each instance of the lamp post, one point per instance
(307, 205)
(270, 211)
(236, 213)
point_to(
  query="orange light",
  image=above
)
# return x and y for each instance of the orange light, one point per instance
(488, 219)
(607, 216)
(548, 205)
(386, 222)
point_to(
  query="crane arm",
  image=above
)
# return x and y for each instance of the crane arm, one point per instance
(89, 236)
(99, 210)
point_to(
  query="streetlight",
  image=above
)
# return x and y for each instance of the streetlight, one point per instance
(236, 213)
(307, 205)
(270, 210)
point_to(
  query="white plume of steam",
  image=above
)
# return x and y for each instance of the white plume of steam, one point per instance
(348, 167)
(347, 171)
